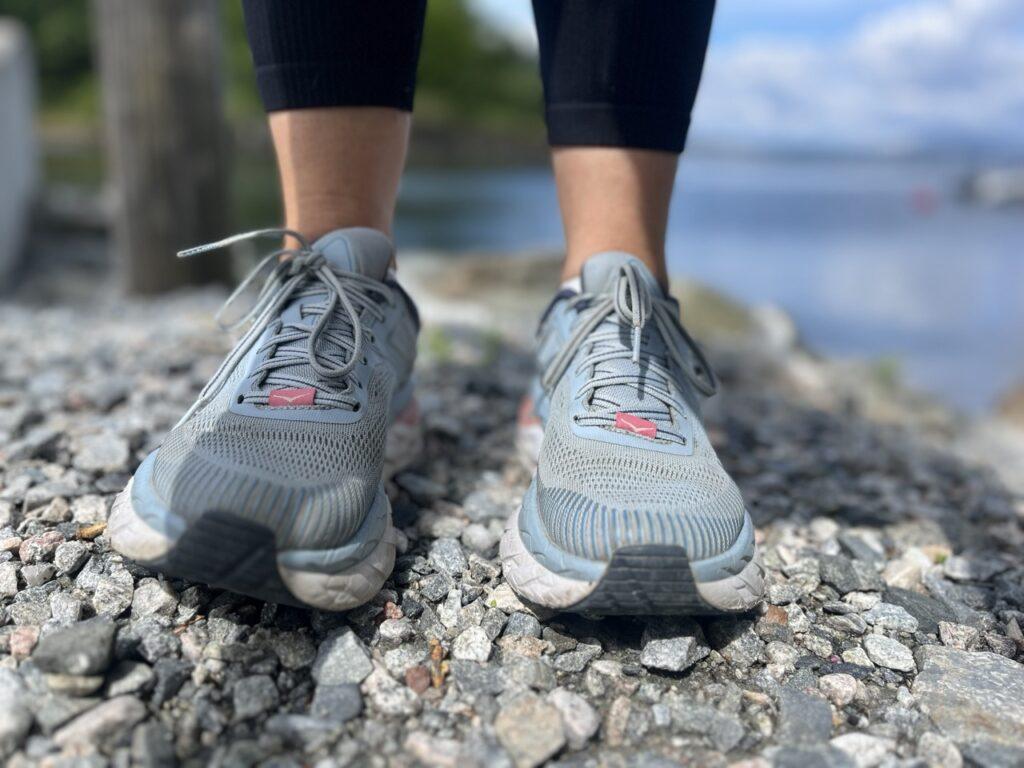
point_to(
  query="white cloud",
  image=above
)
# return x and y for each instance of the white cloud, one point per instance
(906, 76)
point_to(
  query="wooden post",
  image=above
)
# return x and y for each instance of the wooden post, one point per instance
(161, 73)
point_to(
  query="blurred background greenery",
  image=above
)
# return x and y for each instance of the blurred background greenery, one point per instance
(468, 76)
(475, 92)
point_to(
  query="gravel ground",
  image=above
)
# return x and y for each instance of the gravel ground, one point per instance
(891, 635)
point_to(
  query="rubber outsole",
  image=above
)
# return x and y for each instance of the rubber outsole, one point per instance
(227, 551)
(645, 580)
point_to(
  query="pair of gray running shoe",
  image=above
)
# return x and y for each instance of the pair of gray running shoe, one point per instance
(272, 484)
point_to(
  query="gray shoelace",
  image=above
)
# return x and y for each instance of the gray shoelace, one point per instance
(331, 347)
(643, 366)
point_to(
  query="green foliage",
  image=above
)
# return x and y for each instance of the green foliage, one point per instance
(467, 74)
(242, 96)
(60, 34)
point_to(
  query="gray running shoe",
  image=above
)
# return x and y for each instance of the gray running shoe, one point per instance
(271, 484)
(630, 510)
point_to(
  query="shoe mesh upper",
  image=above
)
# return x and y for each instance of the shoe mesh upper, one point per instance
(597, 496)
(310, 482)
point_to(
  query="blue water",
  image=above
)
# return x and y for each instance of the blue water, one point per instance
(872, 259)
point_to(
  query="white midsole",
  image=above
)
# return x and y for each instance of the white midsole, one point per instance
(539, 585)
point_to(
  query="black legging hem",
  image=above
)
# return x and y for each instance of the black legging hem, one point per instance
(616, 125)
(312, 85)
(620, 73)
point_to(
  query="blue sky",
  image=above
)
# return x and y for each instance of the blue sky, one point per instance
(879, 75)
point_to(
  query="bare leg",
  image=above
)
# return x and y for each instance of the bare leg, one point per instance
(614, 199)
(340, 166)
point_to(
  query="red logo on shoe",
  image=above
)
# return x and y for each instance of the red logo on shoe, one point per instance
(636, 425)
(292, 396)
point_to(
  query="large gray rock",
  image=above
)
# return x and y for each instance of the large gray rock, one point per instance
(972, 697)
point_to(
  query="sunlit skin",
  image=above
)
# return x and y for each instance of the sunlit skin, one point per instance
(614, 199)
(341, 167)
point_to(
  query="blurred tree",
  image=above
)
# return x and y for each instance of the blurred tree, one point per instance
(161, 67)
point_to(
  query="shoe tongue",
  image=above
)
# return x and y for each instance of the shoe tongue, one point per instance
(600, 276)
(600, 273)
(357, 249)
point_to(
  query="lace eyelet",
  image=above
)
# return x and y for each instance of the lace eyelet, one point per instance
(357, 408)
(240, 399)
(365, 361)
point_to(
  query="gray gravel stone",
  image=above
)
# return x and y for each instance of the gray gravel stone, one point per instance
(522, 624)
(80, 649)
(129, 677)
(479, 538)
(804, 718)
(577, 659)
(252, 696)
(865, 750)
(113, 594)
(16, 720)
(102, 452)
(39, 548)
(337, 703)
(153, 746)
(839, 688)
(849, 575)
(722, 730)
(959, 636)
(65, 608)
(448, 557)
(37, 575)
(889, 653)
(70, 556)
(579, 719)
(90, 509)
(472, 645)
(8, 579)
(105, 724)
(893, 617)
(737, 641)
(673, 646)
(153, 598)
(938, 751)
(531, 730)
(341, 658)
(388, 697)
(927, 610)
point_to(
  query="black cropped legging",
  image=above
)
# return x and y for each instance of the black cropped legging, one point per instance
(620, 73)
